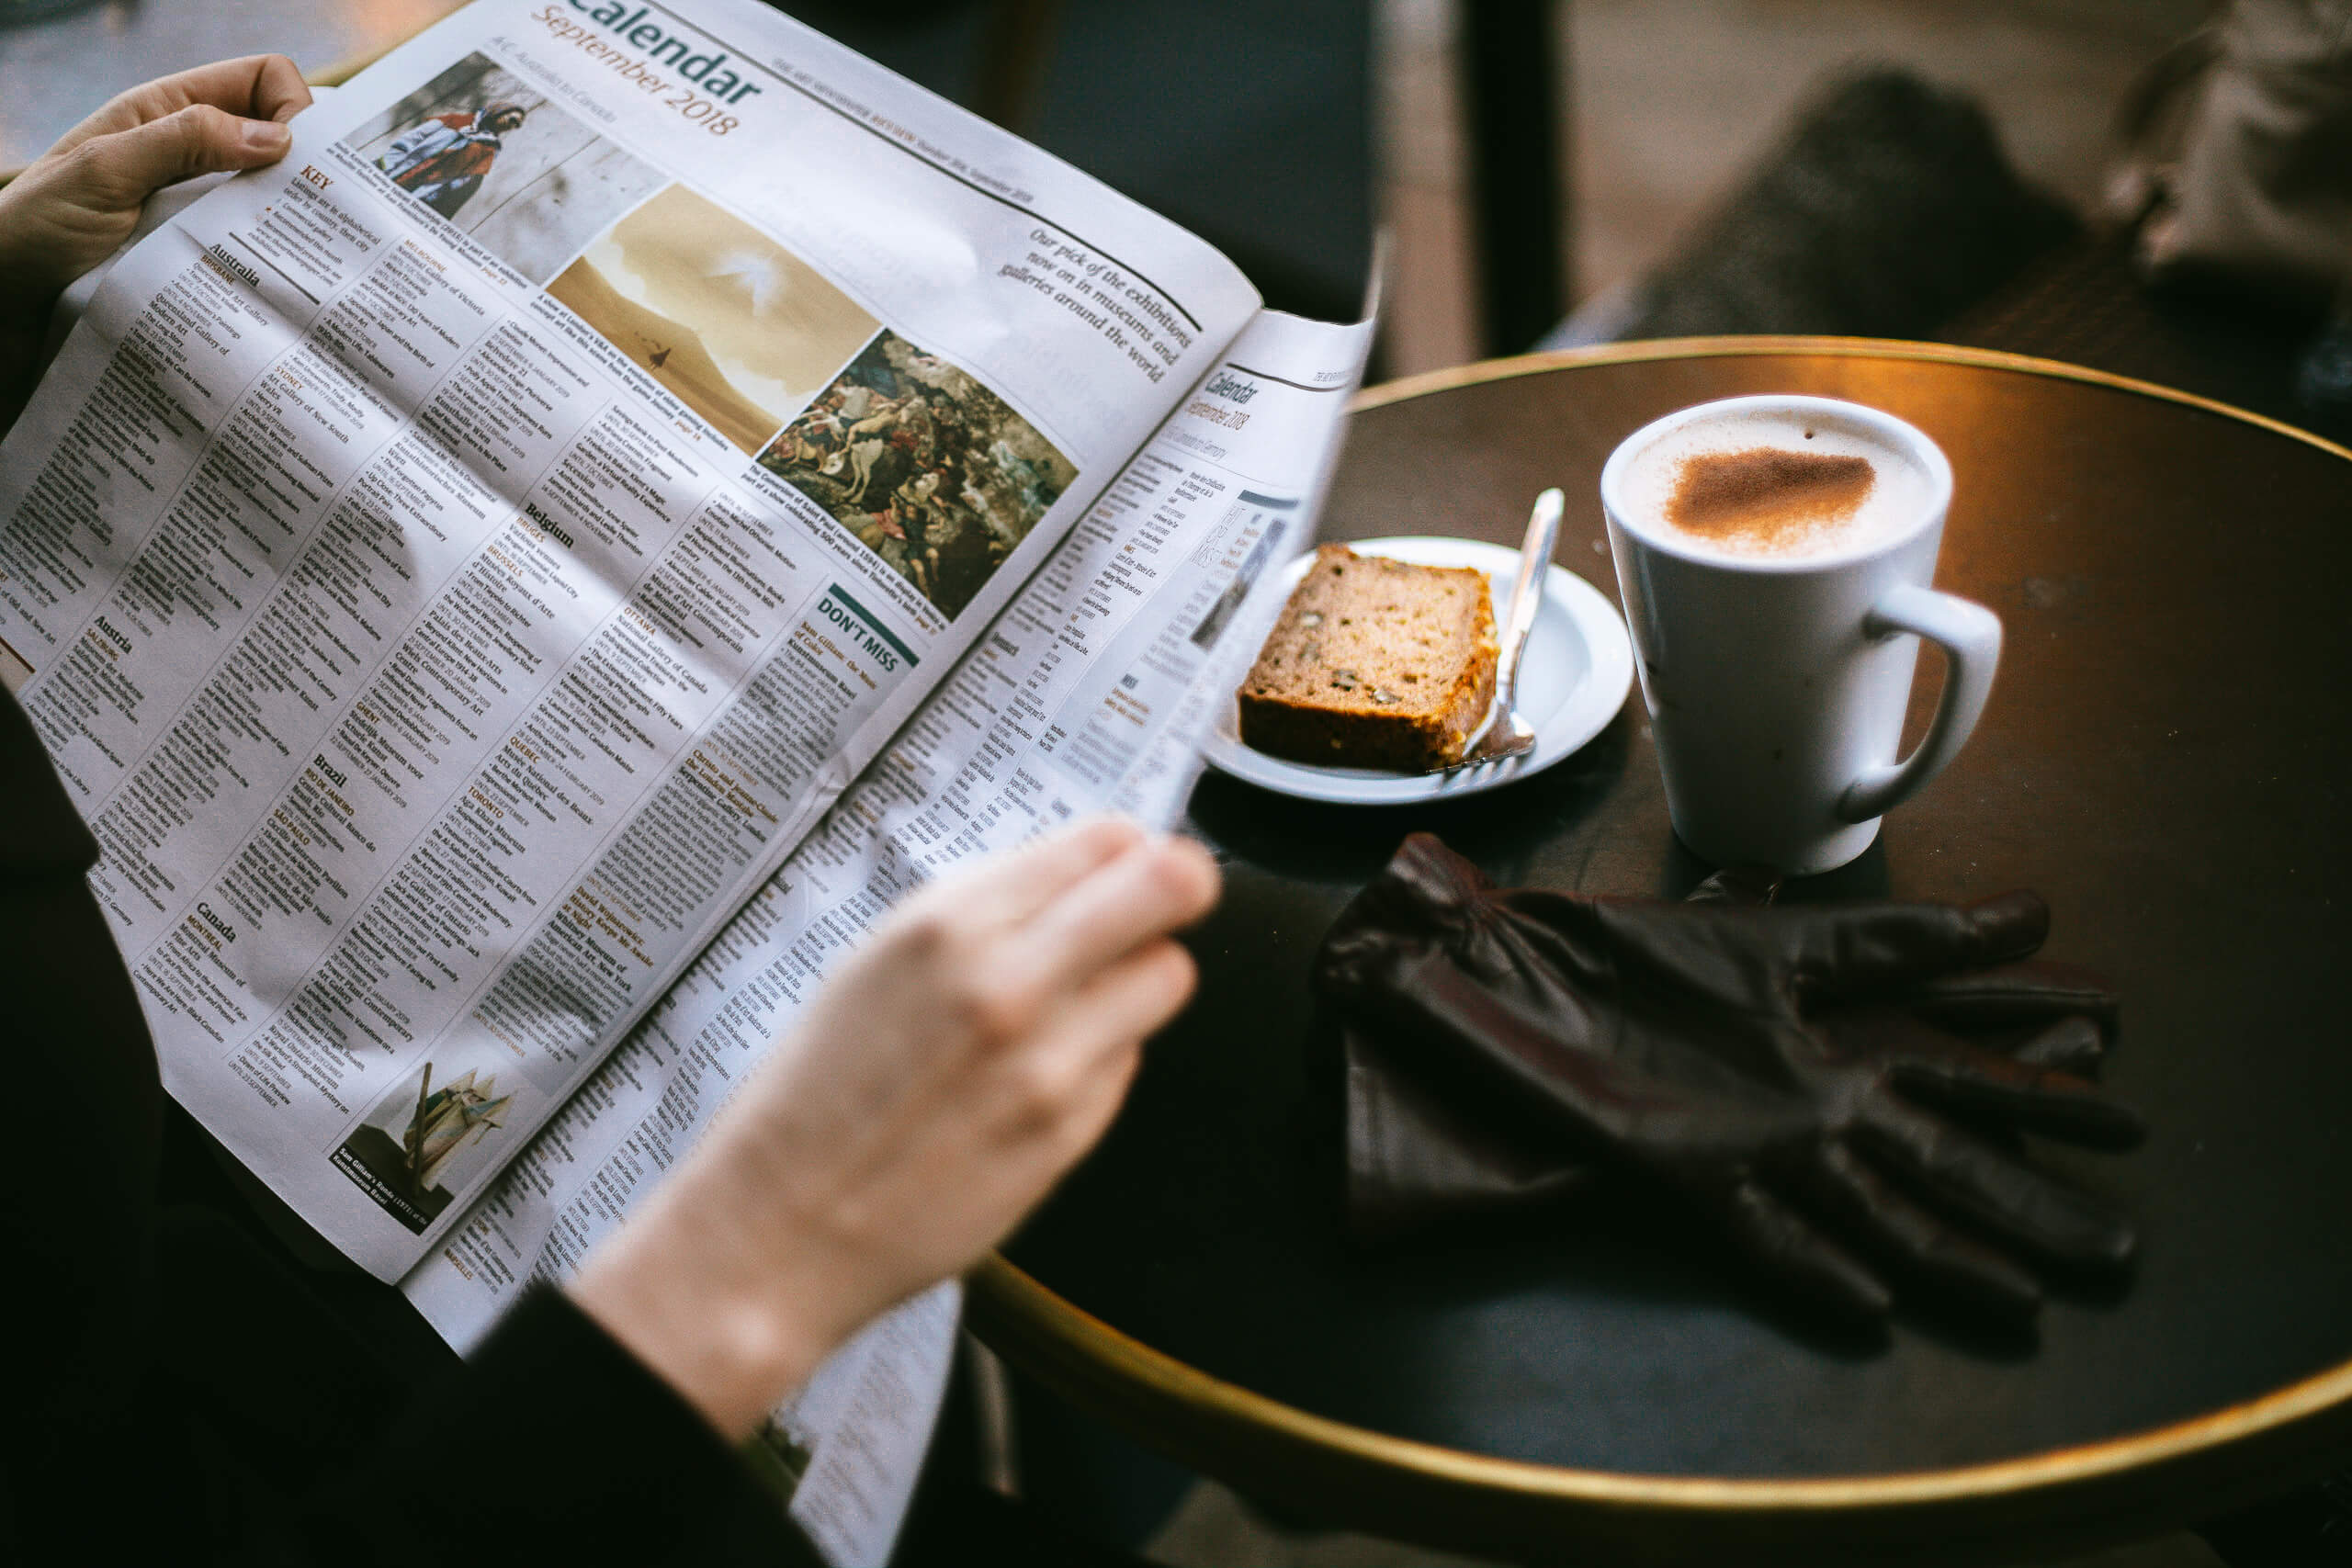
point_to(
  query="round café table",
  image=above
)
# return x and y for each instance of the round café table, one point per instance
(2165, 757)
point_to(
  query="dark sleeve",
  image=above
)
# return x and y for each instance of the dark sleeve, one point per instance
(551, 1444)
(76, 1213)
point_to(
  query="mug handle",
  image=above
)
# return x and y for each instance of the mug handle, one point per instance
(1970, 635)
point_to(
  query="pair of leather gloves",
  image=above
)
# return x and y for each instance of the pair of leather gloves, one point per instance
(1836, 1087)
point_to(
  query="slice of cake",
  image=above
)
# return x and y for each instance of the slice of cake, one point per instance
(1375, 663)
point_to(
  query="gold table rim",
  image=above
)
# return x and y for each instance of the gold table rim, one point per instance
(1789, 347)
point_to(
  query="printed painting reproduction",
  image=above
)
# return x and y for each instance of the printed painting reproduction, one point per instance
(403, 1153)
(933, 471)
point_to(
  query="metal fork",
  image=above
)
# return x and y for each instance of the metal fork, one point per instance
(1503, 734)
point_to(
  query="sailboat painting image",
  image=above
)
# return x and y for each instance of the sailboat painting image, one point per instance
(409, 1154)
(733, 326)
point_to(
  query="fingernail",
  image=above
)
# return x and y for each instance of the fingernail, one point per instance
(267, 136)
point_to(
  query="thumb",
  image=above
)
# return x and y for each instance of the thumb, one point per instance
(130, 165)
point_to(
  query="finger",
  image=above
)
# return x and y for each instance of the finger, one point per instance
(1129, 1000)
(1931, 1065)
(1156, 887)
(258, 86)
(2073, 1046)
(1777, 1238)
(1094, 1104)
(2009, 925)
(1874, 948)
(1986, 1185)
(278, 91)
(1081, 1054)
(2028, 992)
(1943, 1261)
(2036, 1099)
(1011, 888)
(1426, 876)
(122, 169)
(2033, 1099)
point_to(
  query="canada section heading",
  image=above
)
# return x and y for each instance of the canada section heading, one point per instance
(711, 73)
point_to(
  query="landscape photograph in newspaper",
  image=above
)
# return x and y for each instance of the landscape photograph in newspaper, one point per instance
(929, 468)
(484, 149)
(729, 323)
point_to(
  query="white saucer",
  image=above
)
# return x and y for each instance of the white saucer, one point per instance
(1577, 670)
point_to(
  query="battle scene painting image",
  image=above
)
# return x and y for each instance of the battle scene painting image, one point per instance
(933, 471)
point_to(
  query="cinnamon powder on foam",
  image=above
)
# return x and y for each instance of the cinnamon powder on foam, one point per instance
(1766, 498)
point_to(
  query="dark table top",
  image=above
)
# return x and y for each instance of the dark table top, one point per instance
(2166, 757)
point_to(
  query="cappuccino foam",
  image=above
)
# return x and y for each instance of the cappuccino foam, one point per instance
(1769, 486)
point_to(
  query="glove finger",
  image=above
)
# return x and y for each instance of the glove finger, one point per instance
(2030, 992)
(1435, 874)
(1870, 949)
(1948, 1263)
(2011, 1200)
(2056, 1104)
(1779, 1240)
(1931, 1066)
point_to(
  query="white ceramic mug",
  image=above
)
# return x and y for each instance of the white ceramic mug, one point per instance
(1777, 687)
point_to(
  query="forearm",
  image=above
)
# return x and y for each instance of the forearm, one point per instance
(702, 1306)
(947, 1074)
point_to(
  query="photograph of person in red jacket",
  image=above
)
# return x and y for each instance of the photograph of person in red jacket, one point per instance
(443, 160)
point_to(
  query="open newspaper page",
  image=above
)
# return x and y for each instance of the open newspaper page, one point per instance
(452, 568)
(1092, 691)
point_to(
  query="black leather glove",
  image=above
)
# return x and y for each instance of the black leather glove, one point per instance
(1781, 1067)
(1418, 1156)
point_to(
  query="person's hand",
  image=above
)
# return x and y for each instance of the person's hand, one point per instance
(944, 1076)
(69, 209)
(74, 204)
(1782, 1067)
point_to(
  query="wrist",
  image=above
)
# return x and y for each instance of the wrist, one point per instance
(707, 1311)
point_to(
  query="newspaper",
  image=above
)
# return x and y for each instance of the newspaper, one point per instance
(461, 570)
(1092, 691)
